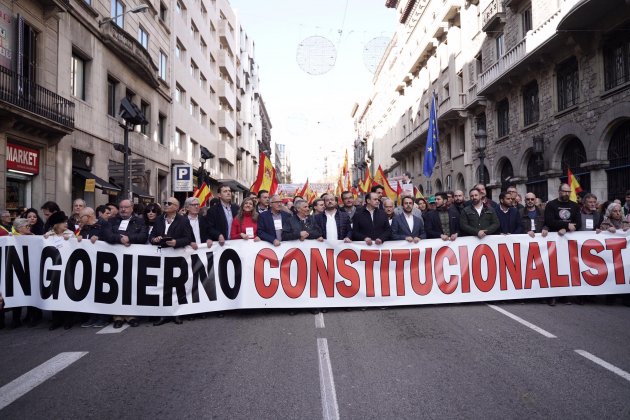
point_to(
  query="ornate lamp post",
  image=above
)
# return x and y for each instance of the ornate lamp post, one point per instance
(482, 139)
(539, 150)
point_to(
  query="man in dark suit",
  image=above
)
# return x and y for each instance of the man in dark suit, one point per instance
(220, 217)
(443, 222)
(172, 225)
(127, 229)
(370, 223)
(334, 221)
(406, 226)
(199, 225)
(301, 226)
(271, 223)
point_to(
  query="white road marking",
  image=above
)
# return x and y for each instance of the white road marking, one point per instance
(319, 321)
(327, 382)
(111, 330)
(25, 383)
(522, 321)
(614, 369)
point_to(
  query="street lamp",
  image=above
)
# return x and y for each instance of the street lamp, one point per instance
(138, 9)
(482, 139)
(204, 155)
(132, 116)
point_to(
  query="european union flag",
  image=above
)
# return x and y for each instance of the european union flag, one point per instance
(430, 153)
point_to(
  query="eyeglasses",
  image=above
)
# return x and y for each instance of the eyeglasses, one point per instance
(530, 199)
(168, 203)
(565, 191)
(151, 211)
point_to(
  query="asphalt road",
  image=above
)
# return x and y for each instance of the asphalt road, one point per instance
(448, 361)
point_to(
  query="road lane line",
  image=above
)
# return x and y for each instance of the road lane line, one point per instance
(327, 382)
(111, 330)
(614, 369)
(25, 383)
(319, 321)
(522, 321)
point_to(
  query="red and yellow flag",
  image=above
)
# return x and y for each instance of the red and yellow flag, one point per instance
(266, 178)
(345, 164)
(574, 184)
(204, 193)
(381, 179)
(366, 183)
(304, 191)
(417, 193)
(399, 191)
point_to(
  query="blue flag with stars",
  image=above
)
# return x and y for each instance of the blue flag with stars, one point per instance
(430, 153)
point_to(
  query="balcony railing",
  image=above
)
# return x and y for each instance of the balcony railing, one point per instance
(23, 93)
(493, 14)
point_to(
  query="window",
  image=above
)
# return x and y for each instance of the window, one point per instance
(180, 94)
(118, 11)
(193, 108)
(500, 43)
(503, 118)
(203, 118)
(180, 8)
(203, 45)
(526, 20)
(163, 64)
(530, 103)
(194, 32)
(616, 63)
(478, 66)
(146, 111)
(193, 69)
(203, 82)
(179, 139)
(180, 51)
(461, 135)
(143, 37)
(77, 77)
(112, 84)
(163, 12)
(161, 128)
(568, 83)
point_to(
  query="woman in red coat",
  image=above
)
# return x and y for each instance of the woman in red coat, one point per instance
(244, 226)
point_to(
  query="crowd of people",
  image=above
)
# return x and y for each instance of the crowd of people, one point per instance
(372, 219)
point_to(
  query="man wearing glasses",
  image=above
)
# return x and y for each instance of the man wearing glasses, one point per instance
(172, 229)
(532, 218)
(198, 224)
(271, 223)
(220, 217)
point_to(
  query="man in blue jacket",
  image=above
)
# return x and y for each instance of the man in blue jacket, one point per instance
(509, 219)
(272, 223)
(406, 226)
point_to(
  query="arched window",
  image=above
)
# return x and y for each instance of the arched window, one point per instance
(507, 173)
(438, 186)
(619, 157)
(536, 183)
(572, 157)
(486, 175)
(459, 182)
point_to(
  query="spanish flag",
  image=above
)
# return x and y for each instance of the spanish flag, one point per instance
(345, 164)
(304, 190)
(574, 184)
(203, 194)
(417, 193)
(381, 179)
(366, 183)
(266, 178)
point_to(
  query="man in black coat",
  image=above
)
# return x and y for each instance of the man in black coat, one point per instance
(370, 223)
(301, 224)
(334, 220)
(199, 225)
(443, 222)
(172, 226)
(220, 217)
(127, 228)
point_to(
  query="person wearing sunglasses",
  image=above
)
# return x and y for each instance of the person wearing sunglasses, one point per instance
(172, 229)
(532, 218)
(151, 214)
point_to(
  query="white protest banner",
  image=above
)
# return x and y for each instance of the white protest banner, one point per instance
(146, 280)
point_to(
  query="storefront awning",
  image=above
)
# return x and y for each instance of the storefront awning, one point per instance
(100, 183)
(142, 194)
(234, 184)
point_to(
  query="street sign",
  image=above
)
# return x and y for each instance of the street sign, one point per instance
(182, 178)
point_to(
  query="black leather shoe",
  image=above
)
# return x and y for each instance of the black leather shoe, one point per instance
(118, 323)
(133, 322)
(161, 321)
(67, 325)
(551, 302)
(54, 326)
(178, 320)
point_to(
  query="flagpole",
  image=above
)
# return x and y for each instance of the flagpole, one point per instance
(439, 147)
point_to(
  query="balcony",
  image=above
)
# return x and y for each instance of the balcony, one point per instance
(17, 91)
(473, 100)
(493, 16)
(227, 153)
(542, 40)
(226, 123)
(226, 34)
(452, 107)
(411, 142)
(131, 52)
(226, 92)
(226, 64)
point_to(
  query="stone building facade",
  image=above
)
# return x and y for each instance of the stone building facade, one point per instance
(187, 65)
(546, 81)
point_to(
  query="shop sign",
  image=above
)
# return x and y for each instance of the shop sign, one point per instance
(90, 183)
(22, 159)
(7, 29)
